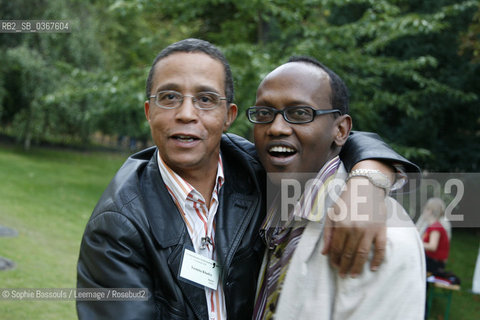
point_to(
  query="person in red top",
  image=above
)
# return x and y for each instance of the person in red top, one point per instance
(435, 237)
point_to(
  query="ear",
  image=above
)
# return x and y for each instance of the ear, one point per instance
(147, 108)
(231, 116)
(343, 125)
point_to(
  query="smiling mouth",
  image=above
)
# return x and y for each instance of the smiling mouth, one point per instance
(281, 151)
(184, 138)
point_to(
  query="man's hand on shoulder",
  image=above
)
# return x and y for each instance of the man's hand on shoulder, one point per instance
(358, 222)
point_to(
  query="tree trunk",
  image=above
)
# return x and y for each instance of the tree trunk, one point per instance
(27, 132)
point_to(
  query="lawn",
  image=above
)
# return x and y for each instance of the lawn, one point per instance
(48, 195)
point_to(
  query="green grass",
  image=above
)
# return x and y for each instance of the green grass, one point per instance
(47, 196)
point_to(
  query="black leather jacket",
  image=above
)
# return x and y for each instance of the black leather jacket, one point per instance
(135, 237)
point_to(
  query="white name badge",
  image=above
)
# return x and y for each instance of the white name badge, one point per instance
(200, 270)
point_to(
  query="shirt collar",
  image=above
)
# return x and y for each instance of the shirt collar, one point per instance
(313, 200)
(309, 200)
(180, 189)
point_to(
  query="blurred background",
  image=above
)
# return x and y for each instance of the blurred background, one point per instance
(412, 67)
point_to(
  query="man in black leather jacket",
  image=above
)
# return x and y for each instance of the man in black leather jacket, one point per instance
(137, 235)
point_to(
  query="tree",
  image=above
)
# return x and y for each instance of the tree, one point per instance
(32, 71)
(60, 87)
(411, 66)
(399, 58)
(470, 39)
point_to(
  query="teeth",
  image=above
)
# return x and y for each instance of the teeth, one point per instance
(185, 138)
(281, 149)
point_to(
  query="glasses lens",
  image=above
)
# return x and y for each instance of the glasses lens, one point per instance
(169, 99)
(207, 100)
(260, 115)
(299, 114)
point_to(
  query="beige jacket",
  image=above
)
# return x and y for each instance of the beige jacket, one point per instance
(313, 289)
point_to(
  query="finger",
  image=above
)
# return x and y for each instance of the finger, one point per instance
(348, 255)
(361, 255)
(337, 242)
(327, 236)
(380, 247)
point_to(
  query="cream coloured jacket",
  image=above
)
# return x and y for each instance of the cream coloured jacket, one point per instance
(314, 290)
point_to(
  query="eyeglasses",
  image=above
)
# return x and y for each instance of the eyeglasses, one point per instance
(169, 99)
(297, 114)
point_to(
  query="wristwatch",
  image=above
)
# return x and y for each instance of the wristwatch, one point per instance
(376, 177)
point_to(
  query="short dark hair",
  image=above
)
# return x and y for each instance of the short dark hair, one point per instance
(195, 45)
(339, 98)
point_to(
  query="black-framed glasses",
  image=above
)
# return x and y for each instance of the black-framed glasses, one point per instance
(297, 114)
(169, 99)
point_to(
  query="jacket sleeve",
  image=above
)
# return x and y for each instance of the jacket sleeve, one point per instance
(112, 256)
(399, 283)
(367, 145)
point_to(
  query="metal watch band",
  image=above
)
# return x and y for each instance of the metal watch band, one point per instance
(376, 177)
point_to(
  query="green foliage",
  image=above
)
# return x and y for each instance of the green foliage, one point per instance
(30, 70)
(62, 87)
(410, 65)
(470, 39)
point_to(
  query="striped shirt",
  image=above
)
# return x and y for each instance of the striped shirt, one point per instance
(200, 222)
(282, 239)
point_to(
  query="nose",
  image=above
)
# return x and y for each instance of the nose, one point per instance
(186, 112)
(279, 127)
